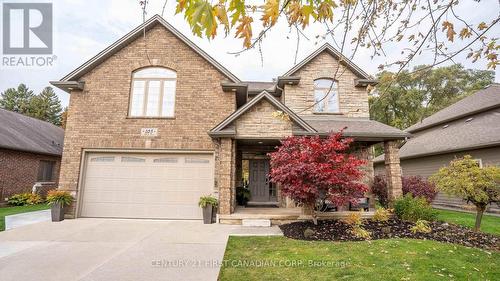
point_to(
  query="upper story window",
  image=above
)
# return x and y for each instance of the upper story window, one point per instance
(326, 97)
(153, 92)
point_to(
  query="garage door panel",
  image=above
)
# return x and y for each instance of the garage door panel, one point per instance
(146, 185)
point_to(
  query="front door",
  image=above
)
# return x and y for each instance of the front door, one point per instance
(260, 187)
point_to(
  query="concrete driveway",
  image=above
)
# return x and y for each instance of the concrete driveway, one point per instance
(107, 249)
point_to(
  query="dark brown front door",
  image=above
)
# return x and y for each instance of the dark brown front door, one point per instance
(259, 181)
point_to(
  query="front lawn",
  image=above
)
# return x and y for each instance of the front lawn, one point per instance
(489, 224)
(7, 211)
(281, 258)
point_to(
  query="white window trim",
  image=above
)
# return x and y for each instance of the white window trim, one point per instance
(479, 161)
(145, 98)
(325, 99)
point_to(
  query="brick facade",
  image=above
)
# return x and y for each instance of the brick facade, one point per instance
(19, 172)
(353, 100)
(98, 115)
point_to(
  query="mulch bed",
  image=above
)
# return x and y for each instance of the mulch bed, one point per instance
(335, 230)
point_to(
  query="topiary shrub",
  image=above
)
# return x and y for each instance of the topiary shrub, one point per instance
(419, 187)
(23, 199)
(414, 208)
(379, 190)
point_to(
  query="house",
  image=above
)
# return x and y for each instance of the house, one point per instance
(470, 126)
(30, 153)
(155, 122)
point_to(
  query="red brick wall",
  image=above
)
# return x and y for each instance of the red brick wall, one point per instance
(19, 171)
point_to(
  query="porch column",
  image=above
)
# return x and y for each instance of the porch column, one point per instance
(393, 170)
(226, 175)
(366, 153)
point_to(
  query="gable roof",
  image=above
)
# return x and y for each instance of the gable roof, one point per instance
(461, 134)
(219, 129)
(480, 101)
(336, 54)
(23, 133)
(133, 35)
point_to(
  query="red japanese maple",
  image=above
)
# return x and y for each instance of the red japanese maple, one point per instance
(309, 167)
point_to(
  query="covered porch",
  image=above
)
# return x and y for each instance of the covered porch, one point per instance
(244, 139)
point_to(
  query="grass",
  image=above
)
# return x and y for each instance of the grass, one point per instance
(489, 224)
(7, 211)
(281, 258)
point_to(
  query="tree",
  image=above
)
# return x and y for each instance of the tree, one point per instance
(17, 100)
(46, 106)
(308, 168)
(425, 27)
(412, 97)
(464, 178)
(436, 29)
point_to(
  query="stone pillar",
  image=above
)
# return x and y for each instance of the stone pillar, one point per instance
(366, 153)
(393, 170)
(225, 174)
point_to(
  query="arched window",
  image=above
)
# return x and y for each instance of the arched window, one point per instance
(153, 92)
(326, 97)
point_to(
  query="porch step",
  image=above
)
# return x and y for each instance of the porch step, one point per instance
(256, 222)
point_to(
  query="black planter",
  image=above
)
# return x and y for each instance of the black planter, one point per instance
(57, 212)
(207, 214)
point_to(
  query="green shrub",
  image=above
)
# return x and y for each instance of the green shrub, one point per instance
(360, 232)
(59, 196)
(23, 199)
(354, 219)
(381, 214)
(421, 226)
(414, 209)
(207, 200)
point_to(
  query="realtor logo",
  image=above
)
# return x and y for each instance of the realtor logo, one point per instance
(27, 28)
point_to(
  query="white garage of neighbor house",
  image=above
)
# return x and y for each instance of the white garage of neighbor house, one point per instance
(145, 185)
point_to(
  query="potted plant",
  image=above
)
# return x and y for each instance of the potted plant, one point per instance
(208, 203)
(242, 195)
(58, 199)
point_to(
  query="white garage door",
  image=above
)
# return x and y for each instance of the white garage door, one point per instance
(126, 185)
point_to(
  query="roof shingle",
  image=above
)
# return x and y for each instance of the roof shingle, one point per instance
(484, 99)
(20, 132)
(355, 127)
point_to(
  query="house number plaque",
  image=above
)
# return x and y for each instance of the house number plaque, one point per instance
(149, 132)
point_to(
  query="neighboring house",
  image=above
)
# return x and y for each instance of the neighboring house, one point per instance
(154, 123)
(30, 153)
(470, 126)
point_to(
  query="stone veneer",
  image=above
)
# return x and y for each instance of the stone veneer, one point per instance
(258, 122)
(300, 98)
(393, 170)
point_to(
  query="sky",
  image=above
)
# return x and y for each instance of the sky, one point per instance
(82, 28)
